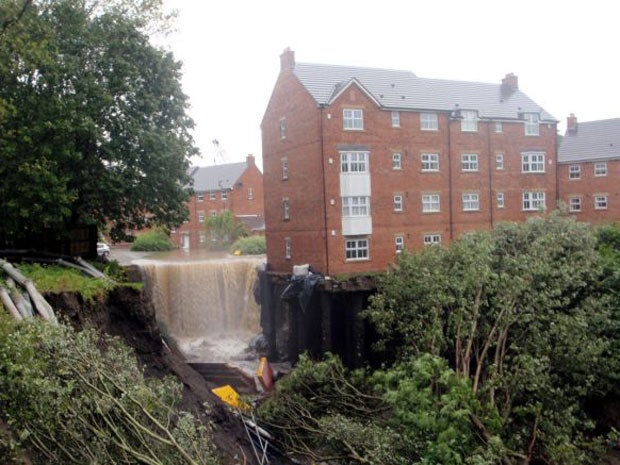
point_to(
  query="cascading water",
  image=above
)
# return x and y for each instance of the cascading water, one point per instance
(207, 307)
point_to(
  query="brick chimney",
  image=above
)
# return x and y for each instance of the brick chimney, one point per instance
(287, 59)
(571, 125)
(510, 83)
(249, 160)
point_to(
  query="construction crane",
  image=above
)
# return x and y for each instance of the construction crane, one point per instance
(220, 154)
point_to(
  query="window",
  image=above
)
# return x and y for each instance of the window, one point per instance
(283, 128)
(211, 195)
(287, 248)
(532, 126)
(432, 239)
(600, 169)
(201, 217)
(213, 213)
(499, 161)
(202, 237)
(355, 206)
(356, 249)
(574, 204)
(533, 162)
(352, 120)
(533, 201)
(469, 162)
(224, 195)
(286, 209)
(574, 172)
(469, 121)
(498, 127)
(395, 119)
(397, 161)
(250, 193)
(430, 162)
(398, 203)
(600, 202)
(200, 196)
(430, 203)
(429, 122)
(353, 162)
(399, 243)
(284, 168)
(471, 202)
(500, 200)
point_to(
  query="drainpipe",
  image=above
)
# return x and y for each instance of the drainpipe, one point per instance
(450, 218)
(491, 167)
(325, 231)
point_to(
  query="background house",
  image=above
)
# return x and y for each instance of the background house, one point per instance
(237, 187)
(589, 169)
(360, 163)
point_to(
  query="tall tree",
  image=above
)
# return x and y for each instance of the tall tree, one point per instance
(93, 123)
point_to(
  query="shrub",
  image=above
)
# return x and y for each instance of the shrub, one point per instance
(253, 245)
(152, 241)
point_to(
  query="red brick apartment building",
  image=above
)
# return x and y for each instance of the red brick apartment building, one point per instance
(589, 169)
(360, 163)
(237, 187)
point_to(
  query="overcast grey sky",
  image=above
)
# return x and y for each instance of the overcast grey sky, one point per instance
(565, 53)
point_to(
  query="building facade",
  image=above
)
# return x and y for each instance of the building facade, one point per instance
(589, 169)
(237, 187)
(361, 163)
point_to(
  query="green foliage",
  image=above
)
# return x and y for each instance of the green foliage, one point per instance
(252, 245)
(93, 126)
(223, 230)
(76, 398)
(152, 241)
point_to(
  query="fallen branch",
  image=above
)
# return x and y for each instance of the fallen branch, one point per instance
(8, 304)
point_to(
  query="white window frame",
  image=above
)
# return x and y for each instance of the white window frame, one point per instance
(355, 162)
(469, 121)
(356, 248)
(201, 216)
(200, 196)
(501, 200)
(430, 162)
(202, 237)
(397, 161)
(288, 248)
(212, 195)
(601, 202)
(250, 193)
(499, 127)
(532, 124)
(355, 206)
(431, 203)
(429, 121)
(284, 164)
(432, 239)
(286, 209)
(574, 172)
(353, 119)
(533, 201)
(224, 195)
(533, 162)
(396, 119)
(499, 161)
(471, 201)
(399, 243)
(600, 169)
(469, 162)
(282, 128)
(574, 204)
(398, 203)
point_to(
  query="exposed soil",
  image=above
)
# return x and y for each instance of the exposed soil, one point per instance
(127, 314)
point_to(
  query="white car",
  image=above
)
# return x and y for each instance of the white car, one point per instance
(103, 250)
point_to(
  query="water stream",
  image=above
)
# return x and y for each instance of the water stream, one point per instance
(205, 303)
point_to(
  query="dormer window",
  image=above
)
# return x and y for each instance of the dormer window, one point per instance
(532, 124)
(469, 121)
(353, 119)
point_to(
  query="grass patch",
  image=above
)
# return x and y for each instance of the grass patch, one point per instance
(59, 279)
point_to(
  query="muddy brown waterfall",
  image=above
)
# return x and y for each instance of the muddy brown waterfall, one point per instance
(205, 304)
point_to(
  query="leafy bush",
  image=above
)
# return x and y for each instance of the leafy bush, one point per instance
(70, 397)
(253, 245)
(224, 229)
(152, 241)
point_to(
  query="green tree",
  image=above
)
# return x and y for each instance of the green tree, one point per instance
(224, 229)
(93, 124)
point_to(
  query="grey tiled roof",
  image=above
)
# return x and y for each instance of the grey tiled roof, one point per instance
(594, 140)
(403, 90)
(218, 177)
